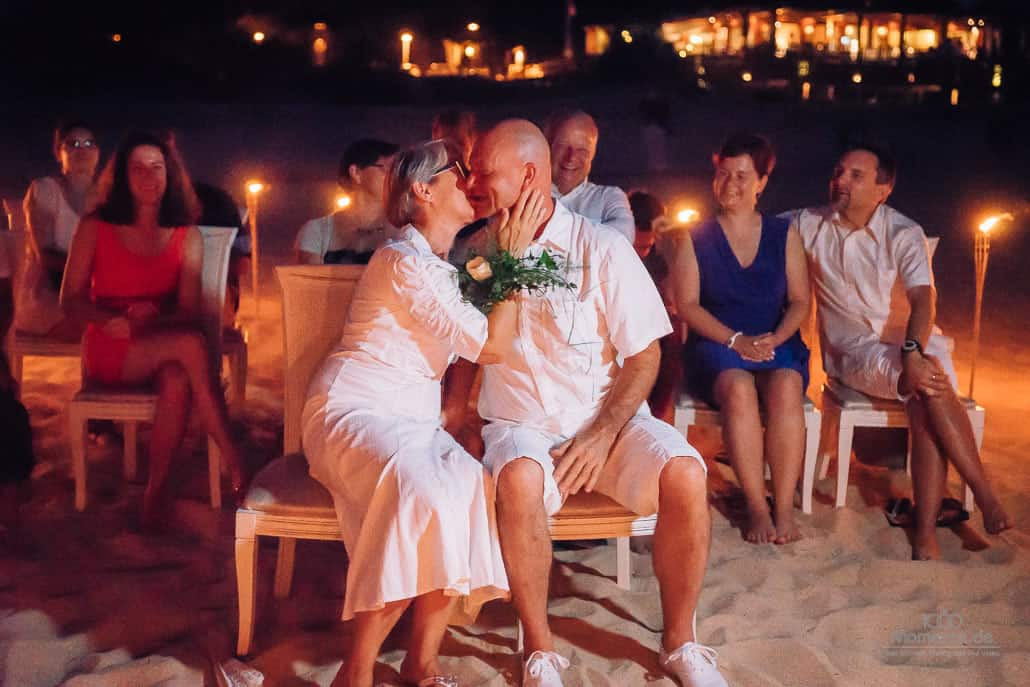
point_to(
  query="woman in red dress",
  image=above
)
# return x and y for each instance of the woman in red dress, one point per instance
(133, 279)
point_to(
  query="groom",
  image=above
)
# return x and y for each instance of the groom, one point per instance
(564, 416)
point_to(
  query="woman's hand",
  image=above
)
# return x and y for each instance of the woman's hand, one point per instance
(756, 349)
(118, 328)
(141, 312)
(518, 225)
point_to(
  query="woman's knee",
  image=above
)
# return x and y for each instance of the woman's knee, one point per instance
(783, 392)
(735, 391)
(172, 380)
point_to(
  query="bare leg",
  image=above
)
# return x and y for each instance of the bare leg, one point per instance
(428, 627)
(370, 631)
(784, 444)
(173, 408)
(526, 547)
(929, 475)
(954, 434)
(681, 541)
(737, 396)
(189, 349)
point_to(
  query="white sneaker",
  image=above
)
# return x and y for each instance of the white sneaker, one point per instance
(543, 669)
(693, 665)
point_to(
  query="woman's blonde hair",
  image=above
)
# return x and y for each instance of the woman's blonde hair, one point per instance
(411, 166)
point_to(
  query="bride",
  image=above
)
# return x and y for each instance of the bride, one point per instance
(415, 509)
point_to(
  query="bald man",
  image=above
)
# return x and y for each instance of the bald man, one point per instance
(572, 138)
(563, 416)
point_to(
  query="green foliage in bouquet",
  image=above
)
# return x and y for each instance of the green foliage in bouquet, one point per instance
(507, 274)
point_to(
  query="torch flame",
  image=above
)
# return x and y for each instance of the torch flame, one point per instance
(686, 215)
(988, 224)
(255, 187)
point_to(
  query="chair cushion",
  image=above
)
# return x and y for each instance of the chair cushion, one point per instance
(688, 402)
(101, 393)
(284, 487)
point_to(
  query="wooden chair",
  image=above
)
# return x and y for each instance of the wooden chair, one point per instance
(693, 411)
(284, 501)
(234, 349)
(132, 406)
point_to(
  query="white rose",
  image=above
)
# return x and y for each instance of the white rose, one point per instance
(478, 268)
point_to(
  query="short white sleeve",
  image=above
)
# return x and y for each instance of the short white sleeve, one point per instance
(633, 308)
(617, 213)
(313, 237)
(912, 257)
(429, 287)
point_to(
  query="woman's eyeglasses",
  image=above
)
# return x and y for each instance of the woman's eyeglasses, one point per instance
(457, 165)
(76, 143)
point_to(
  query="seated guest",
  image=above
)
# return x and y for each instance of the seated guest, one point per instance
(742, 288)
(572, 137)
(415, 509)
(53, 207)
(648, 215)
(134, 282)
(458, 126)
(351, 234)
(859, 249)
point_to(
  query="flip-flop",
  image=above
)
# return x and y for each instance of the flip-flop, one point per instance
(952, 513)
(899, 512)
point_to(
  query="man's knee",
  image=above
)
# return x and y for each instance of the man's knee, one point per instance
(683, 478)
(520, 484)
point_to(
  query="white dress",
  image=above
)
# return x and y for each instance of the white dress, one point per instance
(416, 510)
(38, 308)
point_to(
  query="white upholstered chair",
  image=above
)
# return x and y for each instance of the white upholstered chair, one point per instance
(693, 411)
(284, 501)
(132, 406)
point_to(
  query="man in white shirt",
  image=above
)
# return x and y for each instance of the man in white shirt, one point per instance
(564, 416)
(876, 300)
(573, 140)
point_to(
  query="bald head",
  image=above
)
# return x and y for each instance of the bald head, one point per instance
(509, 157)
(573, 141)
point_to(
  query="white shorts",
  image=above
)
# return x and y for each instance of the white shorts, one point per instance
(630, 477)
(874, 368)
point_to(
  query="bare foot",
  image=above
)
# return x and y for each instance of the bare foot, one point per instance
(996, 520)
(787, 529)
(925, 546)
(760, 528)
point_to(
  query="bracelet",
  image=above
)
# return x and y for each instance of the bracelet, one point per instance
(730, 341)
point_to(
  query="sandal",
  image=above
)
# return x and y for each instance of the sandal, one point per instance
(439, 681)
(899, 512)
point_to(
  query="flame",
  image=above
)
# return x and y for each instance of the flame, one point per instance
(687, 215)
(343, 201)
(988, 224)
(254, 186)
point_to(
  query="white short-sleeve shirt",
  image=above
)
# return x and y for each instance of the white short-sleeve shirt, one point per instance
(861, 277)
(566, 355)
(605, 205)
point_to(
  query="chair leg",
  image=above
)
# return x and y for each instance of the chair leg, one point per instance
(622, 562)
(844, 438)
(77, 441)
(238, 378)
(130, 449)
(214, 473)
(17, 368)
(812, 429)
(284, 567)
(246, 575)
(520, 643)
(831, 428)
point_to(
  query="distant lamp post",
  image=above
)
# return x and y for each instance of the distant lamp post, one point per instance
(116, 38)
(254, 189)
(981, 251)
(470, 51)
(406, 39)
(472, 26)
(343, 201)
(259, 37)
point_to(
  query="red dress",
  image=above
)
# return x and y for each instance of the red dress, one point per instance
(119, 279)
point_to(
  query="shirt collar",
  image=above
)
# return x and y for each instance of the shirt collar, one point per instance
(576, 189)
(410, 233)
(875, 228)
(559, 223)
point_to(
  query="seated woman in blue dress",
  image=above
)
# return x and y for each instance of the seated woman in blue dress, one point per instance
(741, 285)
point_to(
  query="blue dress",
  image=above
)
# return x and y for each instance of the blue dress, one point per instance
(751, 300)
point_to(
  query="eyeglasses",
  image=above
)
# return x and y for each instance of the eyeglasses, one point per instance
(76, 143)
(457, 165)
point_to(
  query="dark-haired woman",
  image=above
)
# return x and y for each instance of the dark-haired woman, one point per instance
(350, 235)
(742, 287)
(133, 279)
(54, 205)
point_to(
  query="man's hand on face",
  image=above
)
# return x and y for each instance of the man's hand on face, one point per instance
(581, 458)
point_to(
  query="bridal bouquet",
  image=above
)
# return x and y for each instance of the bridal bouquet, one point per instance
(488, 279)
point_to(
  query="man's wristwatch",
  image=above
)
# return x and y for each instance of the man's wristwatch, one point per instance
(911, 346)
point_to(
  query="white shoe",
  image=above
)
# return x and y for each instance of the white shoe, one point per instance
(543, 669)
(693, 665)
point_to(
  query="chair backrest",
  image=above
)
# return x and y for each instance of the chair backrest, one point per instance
(214, 275)
(15, 245)
(316, 299)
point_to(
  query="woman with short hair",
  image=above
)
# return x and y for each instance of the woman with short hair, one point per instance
(416, 510)
(351, 234)
(742, 287)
